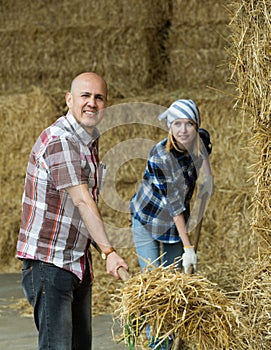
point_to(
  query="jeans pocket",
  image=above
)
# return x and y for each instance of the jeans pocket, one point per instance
(27, 281)
(59, 279)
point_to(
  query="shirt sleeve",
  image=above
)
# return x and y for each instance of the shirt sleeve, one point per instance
(63, 159)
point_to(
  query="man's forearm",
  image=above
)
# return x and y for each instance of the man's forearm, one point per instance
(90, 215)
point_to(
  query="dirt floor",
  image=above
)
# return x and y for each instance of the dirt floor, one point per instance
(18, 331)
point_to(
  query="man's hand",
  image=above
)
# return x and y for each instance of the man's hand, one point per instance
(113, 262)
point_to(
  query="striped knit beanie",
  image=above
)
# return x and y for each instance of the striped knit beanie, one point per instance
(181, 109)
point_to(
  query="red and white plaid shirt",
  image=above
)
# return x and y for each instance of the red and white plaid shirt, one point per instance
(51, 230)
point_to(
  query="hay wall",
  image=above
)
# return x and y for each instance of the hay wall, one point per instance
(251, 71)
(47, 43)
(136, 45)
(250, 64)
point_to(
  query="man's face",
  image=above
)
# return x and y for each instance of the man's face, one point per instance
(87, 100)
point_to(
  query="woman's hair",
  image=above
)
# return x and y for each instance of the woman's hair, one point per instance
(171, 143)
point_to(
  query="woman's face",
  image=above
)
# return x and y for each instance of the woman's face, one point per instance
(184, 132)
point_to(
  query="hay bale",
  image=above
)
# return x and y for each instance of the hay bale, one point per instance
(23, 118)
(250, 64)
(195, 45)
(179, 44)
(188, 12)
(177, 305)
(58, 40)
(255, 299)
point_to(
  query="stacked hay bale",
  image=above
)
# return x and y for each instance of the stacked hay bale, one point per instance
(46, 44)
(251, 70)
(197, 38)
(23, 118)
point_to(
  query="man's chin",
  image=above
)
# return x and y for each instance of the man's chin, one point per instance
(89, 128)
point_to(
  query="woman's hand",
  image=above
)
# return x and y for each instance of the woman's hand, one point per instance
(189, 258)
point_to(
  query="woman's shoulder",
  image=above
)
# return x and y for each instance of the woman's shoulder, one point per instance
(158, 154)
(159, 149)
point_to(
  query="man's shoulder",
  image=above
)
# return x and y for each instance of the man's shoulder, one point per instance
(60, 129)
(54, 133)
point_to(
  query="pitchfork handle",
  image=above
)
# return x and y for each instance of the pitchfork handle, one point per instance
(124, 274)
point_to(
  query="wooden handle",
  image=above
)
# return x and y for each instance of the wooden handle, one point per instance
(177, 343)
(198, 229)
(190, 270)
(124, 274)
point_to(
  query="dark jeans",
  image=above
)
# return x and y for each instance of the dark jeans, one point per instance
(62, 306)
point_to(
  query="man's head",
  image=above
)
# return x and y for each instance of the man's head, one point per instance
(87, 99)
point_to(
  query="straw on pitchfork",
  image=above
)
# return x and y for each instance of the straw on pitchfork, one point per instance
(178, 305)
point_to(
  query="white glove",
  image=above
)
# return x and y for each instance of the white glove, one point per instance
(189, 258)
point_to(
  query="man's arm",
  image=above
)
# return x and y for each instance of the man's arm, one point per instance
(92, 219)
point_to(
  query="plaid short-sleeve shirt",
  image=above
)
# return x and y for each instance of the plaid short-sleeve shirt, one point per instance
(166, 190)
(64, 155)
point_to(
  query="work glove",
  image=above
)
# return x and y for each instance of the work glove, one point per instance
(189, 258)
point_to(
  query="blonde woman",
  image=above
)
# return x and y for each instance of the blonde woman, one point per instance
(161, 207)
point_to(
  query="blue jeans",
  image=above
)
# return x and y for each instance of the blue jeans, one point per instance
(62, 306)
(148, 250)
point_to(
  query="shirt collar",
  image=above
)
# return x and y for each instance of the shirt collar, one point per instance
(81, 133)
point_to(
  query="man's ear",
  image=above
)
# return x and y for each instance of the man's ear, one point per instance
(68, 99)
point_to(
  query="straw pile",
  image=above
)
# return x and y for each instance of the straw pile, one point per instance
(177, 305)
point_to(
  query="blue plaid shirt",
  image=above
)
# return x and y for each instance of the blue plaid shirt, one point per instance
(166, 190)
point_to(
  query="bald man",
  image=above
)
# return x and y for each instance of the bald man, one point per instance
(60, 219)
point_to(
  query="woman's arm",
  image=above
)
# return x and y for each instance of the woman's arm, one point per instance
(189, 257)
(181, 227)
